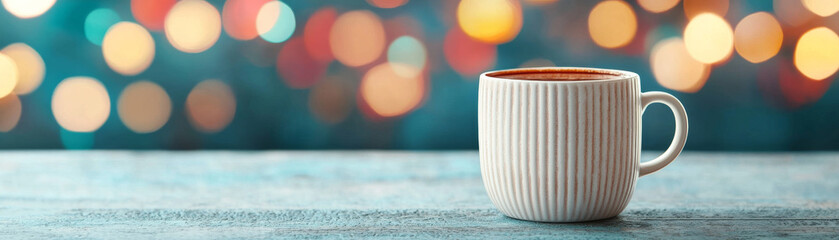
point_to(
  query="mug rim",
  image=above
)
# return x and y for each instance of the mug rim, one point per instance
(622, 75)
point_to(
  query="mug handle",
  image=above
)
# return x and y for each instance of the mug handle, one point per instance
(679, 137)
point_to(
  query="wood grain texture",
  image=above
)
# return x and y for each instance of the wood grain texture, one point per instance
(263, 195)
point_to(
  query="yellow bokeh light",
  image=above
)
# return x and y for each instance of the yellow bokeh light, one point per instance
(30, 67)
(612, 24)
(192, 26)
(822, 8)
(758, 37)
(10, 110)
(817, 53)
(709, 38)
(81, 104)
(657, 6)
(675, 69)
(695, 7)
(28, 8)
(211, 106)
(357, 38)
(128, 48)
(8, 75)
(490, 21)
(144, 107)
(389, 94)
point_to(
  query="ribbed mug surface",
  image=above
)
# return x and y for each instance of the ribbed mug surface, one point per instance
(560, 151)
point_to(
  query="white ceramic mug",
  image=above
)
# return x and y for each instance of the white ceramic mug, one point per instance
(566, 150)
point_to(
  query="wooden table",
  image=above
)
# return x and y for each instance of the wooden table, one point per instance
(255, 195)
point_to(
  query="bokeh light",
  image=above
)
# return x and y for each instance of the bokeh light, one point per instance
(490, 21)
(612, 24)
(275, 22)
(540, 2)
(239, 18)
(389, 94)
(296, 67)
(211, 106)
(27, 8)
(357, 38)
(128, 48)
(81, 104)
(144, 107)
(537, 62)
(97, 24)
(409, 51)
(316, 34)
(10, 110)
(193, 26)
(675, 69)
(792, 13)
(822, 8)
(331, 100)
(758, 37)
(709, 38)
(797, 89)
(817, 53)
(467, 56)
(30, 67)
(8, 75)
(696, 7)
(657, 6)
(151, 13)
(387, 3)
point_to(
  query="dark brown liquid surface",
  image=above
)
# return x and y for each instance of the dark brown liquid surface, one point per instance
(557, 75)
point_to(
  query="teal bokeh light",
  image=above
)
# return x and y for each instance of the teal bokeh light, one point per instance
(407, 50)
(283, 27)
(97, 23)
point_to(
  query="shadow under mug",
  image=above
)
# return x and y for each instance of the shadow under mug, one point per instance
(566, 151)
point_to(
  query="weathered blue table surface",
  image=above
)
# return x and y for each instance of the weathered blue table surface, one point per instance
(256, 195)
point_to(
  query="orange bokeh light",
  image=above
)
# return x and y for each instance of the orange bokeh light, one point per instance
(211, 106)
(612, 24)
(467, 56)
(696, 7)
(316, 34)
(387, 3)
(758, 37)
(10, 110)
(357, 38)
(151, 13)
(296, 67)
(675, 69)
(144, 107)
(657, 6)
(30, 67)
(389, 94)
(239, 18)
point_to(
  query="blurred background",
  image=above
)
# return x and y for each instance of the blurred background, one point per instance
(399, 74)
